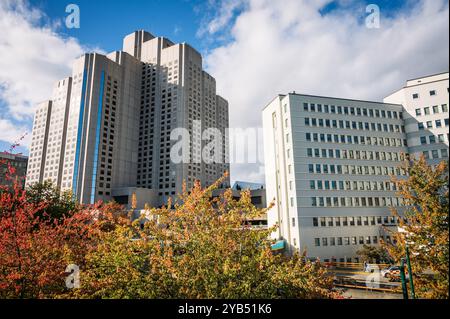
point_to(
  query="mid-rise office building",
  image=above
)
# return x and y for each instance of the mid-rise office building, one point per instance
(329, 163)
(107, 128)
(425, 101)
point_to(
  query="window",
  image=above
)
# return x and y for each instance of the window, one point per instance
(435, 109)
(429, 124)
(444, 152)
(315, 222)
(432, 92)
(332, 241)
(444, 108)
(426, 110)
(325, 241)
(438, 123)
(352, 221)
(339, 241)
(418, 112)
(415, 96)
(293, 222)
(420, 126)
(432, 139)
(317, 242)
(337, 221)
(434, 154)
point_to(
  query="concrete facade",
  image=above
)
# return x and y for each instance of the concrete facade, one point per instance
(328, 164)
(426, 101)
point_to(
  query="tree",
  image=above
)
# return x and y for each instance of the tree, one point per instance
(34, 251)
(58, 204)
(425, 227)
(374, 254)
(201, 248)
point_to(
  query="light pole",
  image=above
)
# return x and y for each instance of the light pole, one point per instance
(411, 283)
(403, 278)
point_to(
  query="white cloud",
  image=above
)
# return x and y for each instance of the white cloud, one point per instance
(281, 46)
(32, 57)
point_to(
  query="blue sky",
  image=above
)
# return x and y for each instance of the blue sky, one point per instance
(255, 49)
(103, 23)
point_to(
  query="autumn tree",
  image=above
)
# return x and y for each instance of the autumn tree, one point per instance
(197, 247)
(424, 227)
(35, 250)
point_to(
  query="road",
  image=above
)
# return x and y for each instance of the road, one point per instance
(364, 285)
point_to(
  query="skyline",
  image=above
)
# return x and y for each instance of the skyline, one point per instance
(244, 35)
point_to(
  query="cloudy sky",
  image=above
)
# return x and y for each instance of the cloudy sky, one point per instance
(255, 49)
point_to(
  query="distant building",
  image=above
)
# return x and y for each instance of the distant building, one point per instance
(425, 101)
(18, 162)
(258, 198)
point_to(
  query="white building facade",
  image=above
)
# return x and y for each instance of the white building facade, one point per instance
(108, 126)
(425, 101)
(329, 163)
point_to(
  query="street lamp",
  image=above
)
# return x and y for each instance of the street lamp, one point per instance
(408, 263)
(403, 278)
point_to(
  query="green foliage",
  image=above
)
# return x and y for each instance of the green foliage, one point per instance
(57, 205)
(199, 249)
(425, 228)
(374, 254)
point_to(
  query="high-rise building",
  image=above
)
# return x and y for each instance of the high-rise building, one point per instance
(107, 128)
(425, 101)
(329, 163)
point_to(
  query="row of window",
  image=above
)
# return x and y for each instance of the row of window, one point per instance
(354, 154)
(356, 201)
(434, 154)
(346, 241)
(352, 185)
(354, 221)
(416, 95)
(431, 139)
(350, 110)
(354, 139)
(429, 124)
(436, 109)
(353, 125)
(354, 169)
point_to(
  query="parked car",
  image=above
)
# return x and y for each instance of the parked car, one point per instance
(393, 273)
